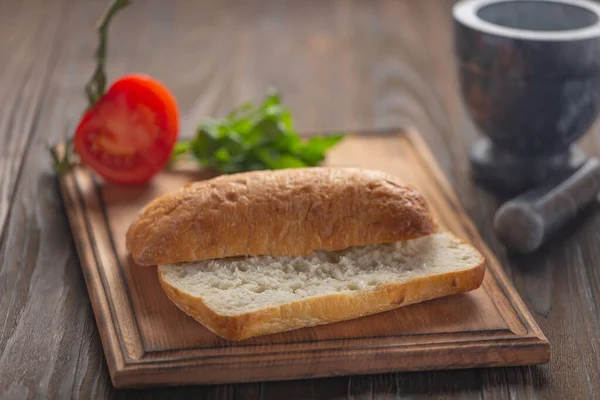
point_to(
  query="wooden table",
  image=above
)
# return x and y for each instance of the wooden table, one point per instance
(342, 65)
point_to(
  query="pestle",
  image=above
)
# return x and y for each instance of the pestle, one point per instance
(525, 222)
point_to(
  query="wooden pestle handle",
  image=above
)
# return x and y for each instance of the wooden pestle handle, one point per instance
(525, 222)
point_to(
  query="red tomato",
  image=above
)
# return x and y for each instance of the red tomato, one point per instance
(128, 136)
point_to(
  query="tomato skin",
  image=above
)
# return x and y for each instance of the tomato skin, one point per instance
(127, 137)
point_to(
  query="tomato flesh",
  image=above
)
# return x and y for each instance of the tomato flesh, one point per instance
(128, 136)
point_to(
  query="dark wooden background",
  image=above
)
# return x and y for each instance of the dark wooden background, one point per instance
(342, 65)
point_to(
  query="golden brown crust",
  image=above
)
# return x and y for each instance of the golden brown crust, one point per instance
(325, 309)
(289, 212)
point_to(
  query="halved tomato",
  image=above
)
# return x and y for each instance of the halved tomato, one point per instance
(128, 136)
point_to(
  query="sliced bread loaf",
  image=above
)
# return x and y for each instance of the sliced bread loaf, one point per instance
(238, 298)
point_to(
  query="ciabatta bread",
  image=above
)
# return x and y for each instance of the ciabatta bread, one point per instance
(245, 297)
(290, 212)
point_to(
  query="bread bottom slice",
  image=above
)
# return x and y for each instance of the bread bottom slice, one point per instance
(238, 298)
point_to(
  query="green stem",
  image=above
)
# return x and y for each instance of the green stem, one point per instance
(96, 86)
(181, 147)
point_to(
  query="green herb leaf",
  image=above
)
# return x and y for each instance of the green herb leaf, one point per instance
(314, 151)
(254, 138)
(274, 160)
(181, 148)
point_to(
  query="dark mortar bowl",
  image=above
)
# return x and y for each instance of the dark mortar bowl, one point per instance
(530, 78)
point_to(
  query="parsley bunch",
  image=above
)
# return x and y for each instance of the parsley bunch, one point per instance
(255, 137)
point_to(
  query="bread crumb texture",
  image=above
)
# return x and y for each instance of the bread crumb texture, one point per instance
(243, 285)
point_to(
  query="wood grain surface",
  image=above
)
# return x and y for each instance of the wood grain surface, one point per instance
(342, 65)
(147, 341)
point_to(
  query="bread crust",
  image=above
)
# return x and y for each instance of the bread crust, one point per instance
(290, 212)
(324, 309)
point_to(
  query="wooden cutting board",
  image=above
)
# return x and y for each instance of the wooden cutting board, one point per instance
(148, 341)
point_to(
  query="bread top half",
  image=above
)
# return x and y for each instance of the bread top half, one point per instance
(290, 212)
